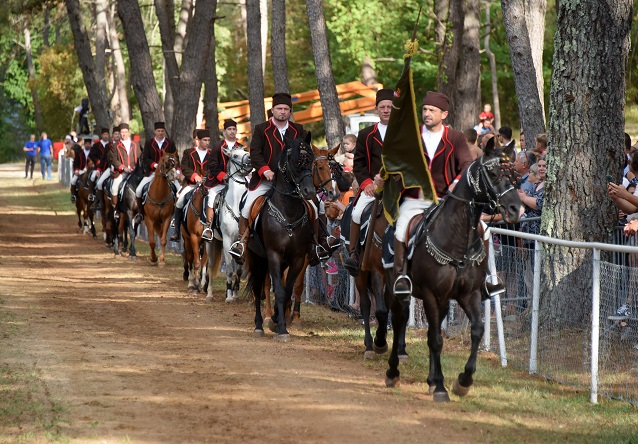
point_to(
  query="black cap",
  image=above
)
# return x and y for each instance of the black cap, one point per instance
(203, 133)
(160, 125)
(282, 99)
(229, 123)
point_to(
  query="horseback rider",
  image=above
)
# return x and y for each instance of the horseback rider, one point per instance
(267, 143)
(367, 164)
(123, 158)
(105, 172)
(80, 160)
(195, 161)
(447, 155)
(97, 155)
(217, 168)
(153, 150)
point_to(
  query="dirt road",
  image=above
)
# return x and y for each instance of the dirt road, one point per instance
(132, 357)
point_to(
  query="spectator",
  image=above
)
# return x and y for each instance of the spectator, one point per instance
(31, 150)
(505, 137)
(625, 196)
(485, 125)
(541, 145)
(471, 136)
(524, 160)
(487, 109)
(45, 150)
(346, 152)
(533, 201)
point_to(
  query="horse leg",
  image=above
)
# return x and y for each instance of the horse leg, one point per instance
(380, 343)
(197, 263)
(392, 375)
(151, 237)
(362, 282)
(296, 312)
(274, 264)
(462, 384)
(259, 272)
(163, 240)
(237, 281)
(132, 235)
(269, 313)
(435, 344)
(203, 283)
(294, 271)
(92, 225)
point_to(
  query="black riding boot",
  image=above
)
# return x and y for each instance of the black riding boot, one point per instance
(74, 193)
(352, 261)
(402, 288)
(237, 249)
(328, 242)
(98, 204)
(176, 223)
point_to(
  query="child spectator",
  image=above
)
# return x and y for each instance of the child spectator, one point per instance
(346, 155)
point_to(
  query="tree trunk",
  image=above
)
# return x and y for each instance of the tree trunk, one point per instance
(46, 29)
(368, 74)
(535, 20)
(586, 142)
(278, 47)
(166, 22)
(333, 122)
(187, 95)
(263, 8)
(37, 111)
(492, 59)
(122, 109)
(450, 54)
(141, 65)
(211, 91)
(529, 102)
(441, 12)
(467, 94)
(255, 69)
(101, 39)
(96, 90)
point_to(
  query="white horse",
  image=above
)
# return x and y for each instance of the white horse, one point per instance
(238, 168)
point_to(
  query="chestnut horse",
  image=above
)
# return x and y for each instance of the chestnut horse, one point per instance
(449, 262)
(160, 203)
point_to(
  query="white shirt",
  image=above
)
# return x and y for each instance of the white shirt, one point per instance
(282, 131)
(160, 142)
(86, 152)
(127, 145)
(431, 141)
(230, 145)
(201, 154)
(382, 130)
(104, 143)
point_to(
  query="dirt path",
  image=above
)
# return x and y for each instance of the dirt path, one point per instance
(135, 358)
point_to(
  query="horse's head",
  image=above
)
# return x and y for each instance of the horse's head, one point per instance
(325, 171)
(166, 166)
(239, 164)
(295, 164)
(497, 181)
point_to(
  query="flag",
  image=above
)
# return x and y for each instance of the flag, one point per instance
(402, 153)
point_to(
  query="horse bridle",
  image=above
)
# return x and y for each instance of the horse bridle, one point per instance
(164, 172)
(303, 162)
(336, 172)
(242, 170)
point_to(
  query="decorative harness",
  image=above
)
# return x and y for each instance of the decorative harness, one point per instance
(304, 164)
(336, 171)
(474, 252)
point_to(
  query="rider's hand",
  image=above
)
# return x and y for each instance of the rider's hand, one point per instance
(378, 181)
(269, 175)
(369, 189)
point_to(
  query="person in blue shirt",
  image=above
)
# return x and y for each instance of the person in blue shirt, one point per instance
(31, 150)
(45, 150)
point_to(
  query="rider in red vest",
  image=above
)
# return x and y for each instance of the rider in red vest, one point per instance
(79, 164)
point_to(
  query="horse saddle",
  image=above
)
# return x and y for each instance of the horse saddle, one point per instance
(218, 207)
(201, 213)
(147, 186)
(346, 219)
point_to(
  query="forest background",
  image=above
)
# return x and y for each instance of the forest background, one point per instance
(38, 60)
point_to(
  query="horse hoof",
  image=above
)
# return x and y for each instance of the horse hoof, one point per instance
(231, 299)
(369, 354)
(133, 258)
(282, 338)
(392, 383)
(380, 350)
(289, 320)
(441, 397)
(404, 359)
(210, 299)
(295, 316)
(258, 333)
(431, 389)
(458, 389)
(272, 326)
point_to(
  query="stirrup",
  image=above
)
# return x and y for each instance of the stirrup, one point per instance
(73, 199)
(330, 245)
(207, 235)
(91, 197)
(496, 289)
(232, 251)
(321, 253)
(403, 294)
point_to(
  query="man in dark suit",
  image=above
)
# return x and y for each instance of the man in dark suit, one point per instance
(267, 143)
(367, 164)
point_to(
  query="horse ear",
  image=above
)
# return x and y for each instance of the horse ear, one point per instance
(335, 150)
(308, 138)
(509, 151)
(489, 146)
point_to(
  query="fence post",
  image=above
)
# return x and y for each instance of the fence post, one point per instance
(595, 325)
(306, 286)
(536, 295)
(491, 263)
(412, 317)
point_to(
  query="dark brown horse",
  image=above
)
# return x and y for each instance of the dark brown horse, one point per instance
(449, 262)
(160, 204)
(82, 204)
(284, 231)
(191, 230)
(325, 173)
